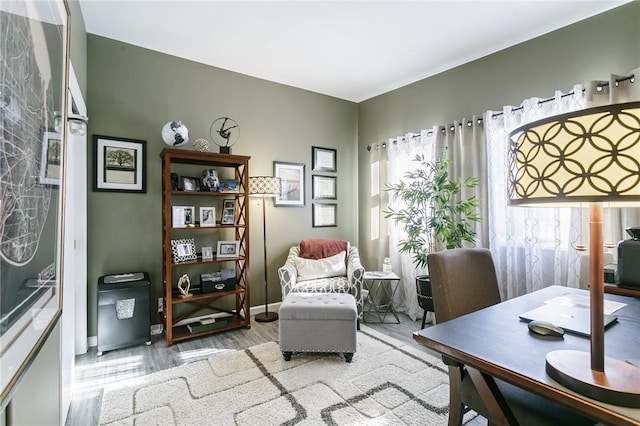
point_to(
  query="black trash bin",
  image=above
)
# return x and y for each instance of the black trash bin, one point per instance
(123, 311)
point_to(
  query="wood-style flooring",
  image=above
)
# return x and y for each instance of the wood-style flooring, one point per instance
(93, 372)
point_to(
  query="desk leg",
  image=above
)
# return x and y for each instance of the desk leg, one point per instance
(492, 398)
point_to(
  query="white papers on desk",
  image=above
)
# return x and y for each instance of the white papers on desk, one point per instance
(583, 302)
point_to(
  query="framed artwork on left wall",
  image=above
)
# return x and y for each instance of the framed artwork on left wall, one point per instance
(119, 164)
(33, 105)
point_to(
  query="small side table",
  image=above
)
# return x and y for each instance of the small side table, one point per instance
(381, 288)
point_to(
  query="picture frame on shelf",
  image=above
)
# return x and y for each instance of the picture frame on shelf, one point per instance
(324, 187)
(228, 212)
(324, 215)
(227, 249)
(182, 216)
(291, 183)
(183, 250)
(207, 216)
(228, 186)
(119, 164)
(190, 183)
(323, 159)
(207, 253)
(50, 161)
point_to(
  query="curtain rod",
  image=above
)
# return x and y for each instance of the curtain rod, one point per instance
(599, 88)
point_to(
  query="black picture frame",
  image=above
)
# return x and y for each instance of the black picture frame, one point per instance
(291, 183)
(119, 164)
(324, 187)
(323, 159)
(324, 215)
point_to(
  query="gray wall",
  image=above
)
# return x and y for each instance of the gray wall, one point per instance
(591, 49)
(133, 92)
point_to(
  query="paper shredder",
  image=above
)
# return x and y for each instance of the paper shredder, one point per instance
(123, 311)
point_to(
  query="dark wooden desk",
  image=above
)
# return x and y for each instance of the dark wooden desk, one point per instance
(496, 343)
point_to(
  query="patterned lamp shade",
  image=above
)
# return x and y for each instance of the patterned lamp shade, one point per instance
(592, 155)
(267, 186)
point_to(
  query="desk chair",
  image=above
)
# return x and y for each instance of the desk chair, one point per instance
(464, 280)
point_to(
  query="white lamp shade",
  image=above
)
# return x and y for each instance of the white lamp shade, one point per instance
(592, 155)
(268, 186)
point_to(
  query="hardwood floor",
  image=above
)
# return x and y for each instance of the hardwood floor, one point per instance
(93, 372)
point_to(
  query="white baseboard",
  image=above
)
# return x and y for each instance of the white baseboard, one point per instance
(157, 328)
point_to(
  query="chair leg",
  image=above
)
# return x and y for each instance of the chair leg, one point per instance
(424, 318)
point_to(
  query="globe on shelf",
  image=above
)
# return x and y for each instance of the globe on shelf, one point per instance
(201, 145)
(174, 133)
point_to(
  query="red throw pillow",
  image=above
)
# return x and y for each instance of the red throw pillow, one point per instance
(321, 248)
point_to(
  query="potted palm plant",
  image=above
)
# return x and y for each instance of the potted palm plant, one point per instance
(434, 217)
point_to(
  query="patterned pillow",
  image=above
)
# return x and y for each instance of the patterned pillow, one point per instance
(310, 269)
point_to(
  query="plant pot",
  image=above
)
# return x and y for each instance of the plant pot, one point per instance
(425, 296)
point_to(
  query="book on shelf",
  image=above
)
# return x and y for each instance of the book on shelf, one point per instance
(207, 325)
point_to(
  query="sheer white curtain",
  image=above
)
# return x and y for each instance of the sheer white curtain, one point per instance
(531, 247)
(400, 152)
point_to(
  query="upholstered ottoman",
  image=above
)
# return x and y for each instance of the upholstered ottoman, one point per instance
(318, 322)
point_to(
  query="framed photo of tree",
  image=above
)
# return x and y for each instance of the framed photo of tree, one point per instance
(119, 164)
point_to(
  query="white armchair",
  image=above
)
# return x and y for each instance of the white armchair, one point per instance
(350, 282)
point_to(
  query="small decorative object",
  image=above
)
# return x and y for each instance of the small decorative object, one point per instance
(175, 182)
(184, 250)
(184, 284)
(227, 249)
(207, 253)
(224, 132)
(207, 216)
(228, 186)
(386, 265)
(210, 180)
(201, 145)
(174, 133)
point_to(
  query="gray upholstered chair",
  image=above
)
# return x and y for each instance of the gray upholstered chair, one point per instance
(464, 280)
(350, 282)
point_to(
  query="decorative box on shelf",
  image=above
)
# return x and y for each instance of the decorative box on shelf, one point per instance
(224, 280)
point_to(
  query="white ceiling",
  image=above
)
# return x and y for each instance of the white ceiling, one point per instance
(352, 50)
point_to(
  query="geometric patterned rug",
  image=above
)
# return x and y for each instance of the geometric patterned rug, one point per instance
(388, 382)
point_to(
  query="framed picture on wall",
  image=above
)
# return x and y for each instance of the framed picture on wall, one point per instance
(119, 164)
(50, 160)
(324, 215)
(323, 159)
(323, 187)
(33, 84)
(291, 183)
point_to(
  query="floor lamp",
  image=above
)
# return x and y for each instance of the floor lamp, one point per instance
(265, 186)
(591, 156)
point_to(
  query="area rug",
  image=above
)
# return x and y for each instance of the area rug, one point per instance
(388, 382)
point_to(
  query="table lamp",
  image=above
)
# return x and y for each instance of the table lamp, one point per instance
(589, 156)
(265, 186)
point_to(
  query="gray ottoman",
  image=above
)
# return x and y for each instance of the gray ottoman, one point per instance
(318, 322)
